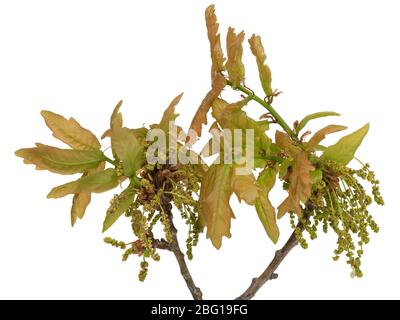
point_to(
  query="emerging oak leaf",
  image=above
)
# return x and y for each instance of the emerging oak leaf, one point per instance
(81, 200)
(70, 132)
(321, 134)
(215, 211)
(300, 182)
(61, 161)
(217, 56)
(119, 205)
(343, 151)
(245, 188)
(263, 70)
(97, 182)
(231, 116)
(265, 210)
(200, 117)
(234, 64)
(126, 147)
(116, 120)
(313, 116)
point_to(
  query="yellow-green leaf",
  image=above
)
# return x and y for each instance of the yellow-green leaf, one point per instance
(313, 116)
(321, 134)
(245, 188)
(234, 64)
(343, 151)
(118, 207)
(231, 116)
(80, 202)
(217, 56)
(266, 212)
(97, 182)
(128, 149)
(62, 161)
(263, 70)
(215, 211)
(70, 132)
(169, 114)
(115, 120)
(284, 166)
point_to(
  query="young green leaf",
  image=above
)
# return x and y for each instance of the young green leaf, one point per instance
(97, 182)
(61, 161)
(263, 70)
(266, 212)
(215, 211)
(321, 134)
(343, 151)
(313, 116)
(234, 64)
(128, 149)
(118, 207)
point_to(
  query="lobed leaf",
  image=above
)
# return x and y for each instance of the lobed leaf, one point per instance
(61, 161)
(215, 211)
(217, 56)
(70, 132)
(321, 134)
(245, 188)
(97, 182)
(300, 183)
(200, 117)
(263, 70)
(266, 212)
(234, 64)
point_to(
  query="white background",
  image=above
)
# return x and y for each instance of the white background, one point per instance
(78, 58)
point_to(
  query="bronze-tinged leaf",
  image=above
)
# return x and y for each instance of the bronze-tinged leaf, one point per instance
(115, 120)
(70, 132)
(263, 70)
(215, 211)
(61, 161)
(321, 134)
(266, 212)
(217, 56)
(97, 182)
(200, 117)
(300, 182)
(245, 188)
(234, 64)
(231, 116)
(283, 140)
(79, 205)
(169, 114)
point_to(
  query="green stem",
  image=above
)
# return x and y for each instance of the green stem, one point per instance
(109, 160)
(267, 106)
